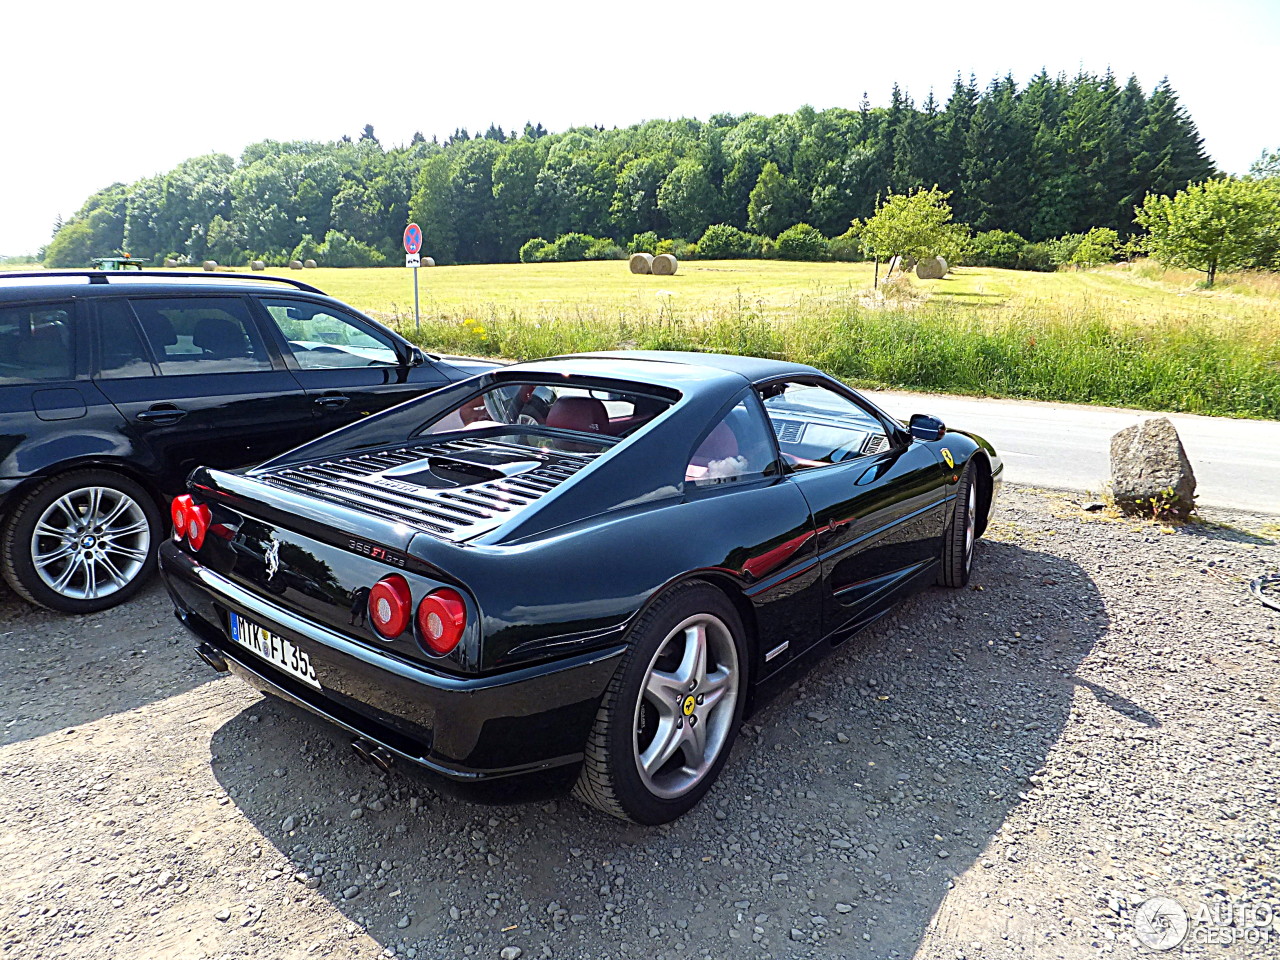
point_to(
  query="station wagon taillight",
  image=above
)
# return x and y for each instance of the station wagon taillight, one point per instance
(442, 615)
(190, 520)
(390, 606)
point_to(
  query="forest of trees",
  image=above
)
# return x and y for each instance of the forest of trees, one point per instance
(1056, 156)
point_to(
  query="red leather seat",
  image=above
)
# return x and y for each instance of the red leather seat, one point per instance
(584, 414)
(721, 444)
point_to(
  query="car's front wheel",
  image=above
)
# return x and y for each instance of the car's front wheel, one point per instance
(962, 533)
(80, 542)
(666, 724)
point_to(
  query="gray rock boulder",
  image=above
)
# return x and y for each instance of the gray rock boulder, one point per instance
(1147, 460)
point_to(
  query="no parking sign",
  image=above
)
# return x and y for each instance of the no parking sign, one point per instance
(413, 244)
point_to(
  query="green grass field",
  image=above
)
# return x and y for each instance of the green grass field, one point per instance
(1127, 335)
(1122, 336)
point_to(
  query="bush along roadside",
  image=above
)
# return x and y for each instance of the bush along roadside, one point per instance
(1189, 368)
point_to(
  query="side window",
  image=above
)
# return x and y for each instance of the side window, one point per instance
(323, 338)
(737, 449)
(36, 343)
(120, 349)
(816, 426)
(202, 335)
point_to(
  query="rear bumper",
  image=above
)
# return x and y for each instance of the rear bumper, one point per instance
(502, 736)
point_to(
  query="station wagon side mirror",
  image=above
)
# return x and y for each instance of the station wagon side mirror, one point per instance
(925, 427)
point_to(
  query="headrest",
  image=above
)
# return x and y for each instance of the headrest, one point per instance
(219, 336)
(159, 329)
(721, 444)
(586, 414)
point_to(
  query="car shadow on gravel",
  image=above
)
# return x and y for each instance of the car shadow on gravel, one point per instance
(847, 808)
(65, 671)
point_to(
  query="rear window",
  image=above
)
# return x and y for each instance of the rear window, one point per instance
(36, 343)
(597, 416)
(202, 335)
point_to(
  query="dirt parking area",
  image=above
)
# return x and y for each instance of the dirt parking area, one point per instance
(1012, 770)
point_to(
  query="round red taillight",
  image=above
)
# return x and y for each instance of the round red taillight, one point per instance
(390, 606)
(442, 615)
(198, 518)
(179, 511)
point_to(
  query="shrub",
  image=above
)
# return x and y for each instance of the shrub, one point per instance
(339, 250)
(1096, 247)
(1064, 248)
(846, 247)
(572, 246)
(605, 249)
(1037, 256)
(997, 248)
(720, 241)
(801, 242)
(536, 250)
(646, 242)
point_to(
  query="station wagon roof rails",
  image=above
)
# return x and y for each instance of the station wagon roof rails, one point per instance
(109, 276)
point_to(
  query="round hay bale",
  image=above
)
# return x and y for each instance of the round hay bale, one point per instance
(210, 265)
(258, 265)
(641, 263)
(295, 264)
(310, 264)
(170, 262)
(428, 262)
(946, 268)
(665, 265)
(931, 268)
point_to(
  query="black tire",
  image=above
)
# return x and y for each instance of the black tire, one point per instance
(121, 549)
(962, 533)
(628, 724)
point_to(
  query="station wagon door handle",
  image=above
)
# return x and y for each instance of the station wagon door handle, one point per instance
(161, 415)
(332, 402)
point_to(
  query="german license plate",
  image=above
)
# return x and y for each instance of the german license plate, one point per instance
(273, 648)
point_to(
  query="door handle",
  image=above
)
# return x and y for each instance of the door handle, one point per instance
(161, 415)
(332, 402)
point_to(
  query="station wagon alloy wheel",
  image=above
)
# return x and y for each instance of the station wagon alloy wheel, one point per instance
(90, 543)
(81, 542)
(683, 717)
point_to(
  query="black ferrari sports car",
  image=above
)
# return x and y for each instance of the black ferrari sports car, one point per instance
(579, 572)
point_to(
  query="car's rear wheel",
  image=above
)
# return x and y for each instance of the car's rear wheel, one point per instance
(962, 533)
(670, 715)
(81, 542)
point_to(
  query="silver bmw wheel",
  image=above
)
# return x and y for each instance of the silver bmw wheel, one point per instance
(90, 543)
(687, 706)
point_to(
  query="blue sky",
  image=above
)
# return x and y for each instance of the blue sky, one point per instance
(89, 99)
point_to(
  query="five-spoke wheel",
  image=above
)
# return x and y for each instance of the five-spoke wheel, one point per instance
(670, 715)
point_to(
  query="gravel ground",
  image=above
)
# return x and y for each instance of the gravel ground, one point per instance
(1008, 770)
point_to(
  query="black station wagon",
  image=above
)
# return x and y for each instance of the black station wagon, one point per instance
(578, 572)
(114, 386)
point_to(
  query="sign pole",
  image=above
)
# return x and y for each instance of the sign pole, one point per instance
(412, 246)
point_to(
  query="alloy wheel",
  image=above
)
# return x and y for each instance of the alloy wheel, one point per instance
(90, 543)
(685, 712)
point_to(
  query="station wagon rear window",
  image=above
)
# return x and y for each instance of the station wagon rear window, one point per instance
(36, 343)
(202, 335)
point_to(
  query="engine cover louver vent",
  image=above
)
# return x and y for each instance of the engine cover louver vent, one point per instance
(376, 483)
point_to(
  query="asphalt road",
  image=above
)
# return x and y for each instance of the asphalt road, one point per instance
(1067, 446)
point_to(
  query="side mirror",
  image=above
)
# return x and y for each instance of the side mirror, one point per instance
(925, 427)
(416, 357)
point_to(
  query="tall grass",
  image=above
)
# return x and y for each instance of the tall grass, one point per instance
(1041, 353)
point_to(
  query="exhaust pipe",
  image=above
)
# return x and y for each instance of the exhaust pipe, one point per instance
(374, 755)
(212, 657)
